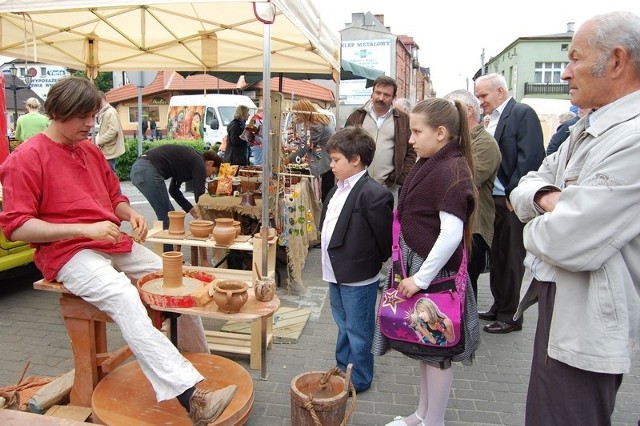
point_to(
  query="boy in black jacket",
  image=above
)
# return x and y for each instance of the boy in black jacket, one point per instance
(356, 239)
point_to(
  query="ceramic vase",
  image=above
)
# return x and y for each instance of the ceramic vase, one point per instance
(212, 186)
(201, 228)
(230, 296)
(265, 289)
(176, 222)
(237, 227)
(172, 269)
(224, 233)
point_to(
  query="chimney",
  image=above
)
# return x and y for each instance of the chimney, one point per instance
(570, 27)
(357, 19)
(380, 18)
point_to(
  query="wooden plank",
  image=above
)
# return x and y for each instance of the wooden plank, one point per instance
(70, 412)
(287, 328)
(15, 417)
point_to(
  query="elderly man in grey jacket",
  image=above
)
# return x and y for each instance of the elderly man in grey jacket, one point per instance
(583, 234)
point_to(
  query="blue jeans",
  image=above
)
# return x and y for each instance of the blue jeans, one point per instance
(112, 163)
(256, 152)
(146, 178)
(354, 310)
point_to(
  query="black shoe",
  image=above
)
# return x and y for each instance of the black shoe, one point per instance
(487, 316)
(317, 245)
(499, 327)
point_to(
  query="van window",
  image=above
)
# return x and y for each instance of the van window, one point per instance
(226, 114)
(211, 119)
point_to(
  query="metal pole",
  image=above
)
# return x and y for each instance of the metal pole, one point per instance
(15, 106)
(139, 121)
(266, 167)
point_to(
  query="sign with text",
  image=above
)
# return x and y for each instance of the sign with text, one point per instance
(376, 54)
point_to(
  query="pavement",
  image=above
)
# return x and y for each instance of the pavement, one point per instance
(492, 391)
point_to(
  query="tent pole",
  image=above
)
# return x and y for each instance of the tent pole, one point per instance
(266, 153)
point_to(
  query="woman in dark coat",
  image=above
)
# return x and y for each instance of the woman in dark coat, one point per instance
(237, 152)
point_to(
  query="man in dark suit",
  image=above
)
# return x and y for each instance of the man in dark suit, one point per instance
(517, 129)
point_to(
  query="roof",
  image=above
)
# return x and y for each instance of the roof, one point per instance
(170, 81)
(299, 87)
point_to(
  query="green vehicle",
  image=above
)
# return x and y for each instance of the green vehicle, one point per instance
(16, 257)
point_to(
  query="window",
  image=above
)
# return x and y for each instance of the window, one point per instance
(564, 47)
(549, 72)
(152, 113)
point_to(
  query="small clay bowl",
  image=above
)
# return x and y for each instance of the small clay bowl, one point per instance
(201, 228)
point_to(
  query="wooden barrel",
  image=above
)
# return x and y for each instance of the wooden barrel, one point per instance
(316, 401)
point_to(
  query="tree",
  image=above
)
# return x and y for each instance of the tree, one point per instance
(104, 82)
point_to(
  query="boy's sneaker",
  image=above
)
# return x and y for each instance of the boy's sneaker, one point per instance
(208, 405)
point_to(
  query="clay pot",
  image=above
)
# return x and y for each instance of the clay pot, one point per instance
(176, 222)
(224, 233)
(271, 234)
(201, 228)
(248, 199)
(230, 296)
(237, 227)
(265, 289)
(212, 186)
(172, 269)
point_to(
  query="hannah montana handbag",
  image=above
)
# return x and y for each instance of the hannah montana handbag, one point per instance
(430, 323)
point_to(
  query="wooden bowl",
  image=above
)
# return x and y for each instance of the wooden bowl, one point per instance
(201, 228)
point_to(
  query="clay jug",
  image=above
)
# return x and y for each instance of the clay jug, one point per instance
(176, 222)
(172, 269)
(230, 296)
(237, 227)
(224, 233)
(212, 186)
(264, 289)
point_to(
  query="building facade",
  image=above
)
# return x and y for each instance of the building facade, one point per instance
(532, 67)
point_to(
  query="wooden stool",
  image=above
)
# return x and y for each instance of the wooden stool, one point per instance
(86, 326)
(125, 396)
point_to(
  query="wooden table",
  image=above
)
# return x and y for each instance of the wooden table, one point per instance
(260, 314)
(157, 243)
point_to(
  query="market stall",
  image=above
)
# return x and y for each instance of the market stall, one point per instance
(295, 216)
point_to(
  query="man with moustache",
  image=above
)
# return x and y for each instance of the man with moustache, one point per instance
(516, 128)
(389, 128)
(583, 234)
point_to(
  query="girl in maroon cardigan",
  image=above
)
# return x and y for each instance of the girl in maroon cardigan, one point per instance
(435, 208)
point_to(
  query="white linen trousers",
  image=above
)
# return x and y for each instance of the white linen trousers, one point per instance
(105, 281)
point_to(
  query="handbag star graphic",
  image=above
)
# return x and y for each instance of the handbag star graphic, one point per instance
(391, 299)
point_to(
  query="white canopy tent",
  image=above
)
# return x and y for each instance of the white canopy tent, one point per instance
(211, 35)
(268, 36)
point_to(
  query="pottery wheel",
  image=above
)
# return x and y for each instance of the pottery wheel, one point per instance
(188, 287)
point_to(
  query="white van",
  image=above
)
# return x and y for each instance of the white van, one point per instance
(203, 116)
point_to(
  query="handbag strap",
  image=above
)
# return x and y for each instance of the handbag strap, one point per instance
(396, 252)
(396, 256)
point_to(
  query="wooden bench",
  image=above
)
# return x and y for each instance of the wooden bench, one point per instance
(86, 326)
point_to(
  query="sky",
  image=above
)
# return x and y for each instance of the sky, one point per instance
(452, 34)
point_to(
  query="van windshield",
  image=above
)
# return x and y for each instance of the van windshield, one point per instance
(226, 114)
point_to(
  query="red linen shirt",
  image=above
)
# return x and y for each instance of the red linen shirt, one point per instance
(58, 183)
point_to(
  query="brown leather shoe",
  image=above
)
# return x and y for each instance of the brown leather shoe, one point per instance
(487, 316)
(207, 405)
(499, 327)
